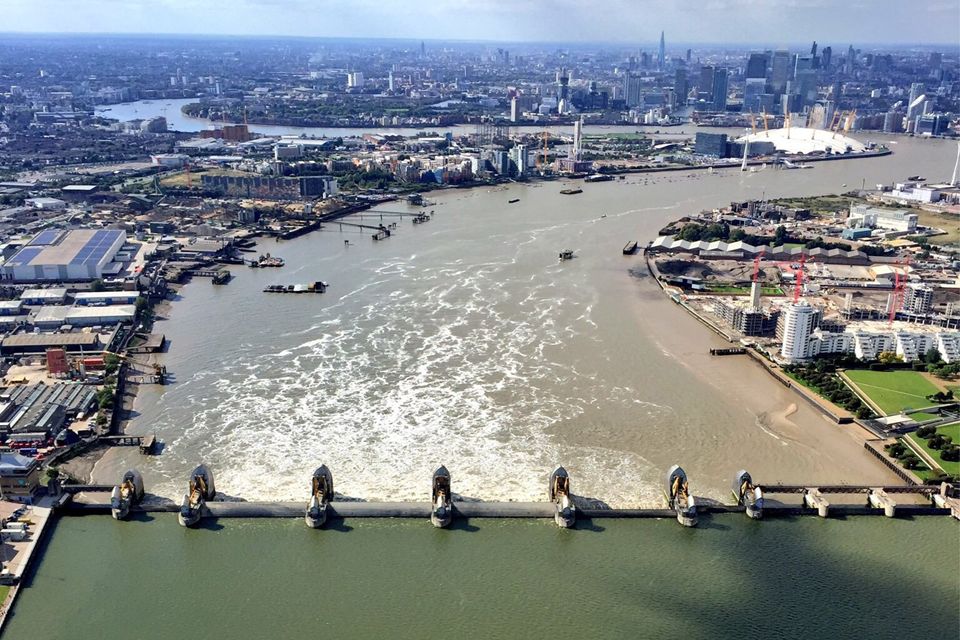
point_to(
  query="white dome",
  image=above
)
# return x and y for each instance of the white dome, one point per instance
(804, 141)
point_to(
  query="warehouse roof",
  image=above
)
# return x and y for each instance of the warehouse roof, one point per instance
(56, 247)
(50, 339)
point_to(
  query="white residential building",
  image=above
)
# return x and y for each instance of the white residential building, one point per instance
(799, 321)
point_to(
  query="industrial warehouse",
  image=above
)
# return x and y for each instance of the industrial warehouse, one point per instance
(64, 256)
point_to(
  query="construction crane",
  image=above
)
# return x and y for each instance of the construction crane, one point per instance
(753, 123)
(899, 284)
(798, 279)
(756, 265)
(542, 157)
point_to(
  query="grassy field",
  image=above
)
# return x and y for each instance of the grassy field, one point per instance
(952, 430)
(820, 205)
(947, 222)
(894, 391)
(734, 291)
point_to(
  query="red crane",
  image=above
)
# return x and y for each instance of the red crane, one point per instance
(896, 303)
(798, 279)
(756, 264)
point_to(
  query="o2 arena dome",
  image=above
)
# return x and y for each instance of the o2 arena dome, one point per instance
(804, 141)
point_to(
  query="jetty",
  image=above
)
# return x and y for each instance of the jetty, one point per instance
(729, 351)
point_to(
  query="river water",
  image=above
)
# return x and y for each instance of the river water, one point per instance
(465, 342)
(178, 121)
(731, 578)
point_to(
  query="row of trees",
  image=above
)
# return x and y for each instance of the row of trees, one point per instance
(821, 376)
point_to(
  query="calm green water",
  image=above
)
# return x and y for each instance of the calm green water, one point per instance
(862, 577)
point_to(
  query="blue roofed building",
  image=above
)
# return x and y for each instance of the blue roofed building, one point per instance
(65, 256)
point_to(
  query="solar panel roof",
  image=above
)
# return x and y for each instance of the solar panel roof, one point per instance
(79, 247)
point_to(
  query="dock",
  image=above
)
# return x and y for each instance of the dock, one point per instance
(729, 351)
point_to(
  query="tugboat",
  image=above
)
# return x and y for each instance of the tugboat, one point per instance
(559, 493)
(679, 498)
(321, 493)
(748, 494)
(200, 491)
(566, 254)
(126, 494)
(441, 504)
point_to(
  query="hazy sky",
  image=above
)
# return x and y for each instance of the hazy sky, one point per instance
(630, 21)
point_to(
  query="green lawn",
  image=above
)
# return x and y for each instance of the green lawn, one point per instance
(894, 391)
(952, 430)
(732, 290)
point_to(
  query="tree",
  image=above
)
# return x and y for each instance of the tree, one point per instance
(110, 362)
(932, 356)
(780, 235)
(889, 357)
(97, 285)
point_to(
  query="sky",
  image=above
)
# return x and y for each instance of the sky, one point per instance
(622, 21)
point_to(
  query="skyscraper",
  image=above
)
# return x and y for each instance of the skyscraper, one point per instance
(799, 321)
(780, 71)
(705, 86)
(916, 90)
(719, 92)
(631, 90)
(661, 54)
(757, 65)
(680, 86)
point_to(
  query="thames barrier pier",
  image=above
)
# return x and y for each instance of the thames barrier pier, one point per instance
(752, 498)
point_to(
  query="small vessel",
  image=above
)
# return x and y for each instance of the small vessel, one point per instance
(630, 248)
(566, 254)
(559, 493)
(441, 504)
(513, 200)
(679, 498)
(126, 494)
(598, 177)
(748, 494)
(420, 218)
(201, 490)
(318, 286)
(266, 260)
(321, 493)
(571, 192)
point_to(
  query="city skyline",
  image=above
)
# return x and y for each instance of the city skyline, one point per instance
(786, 22)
